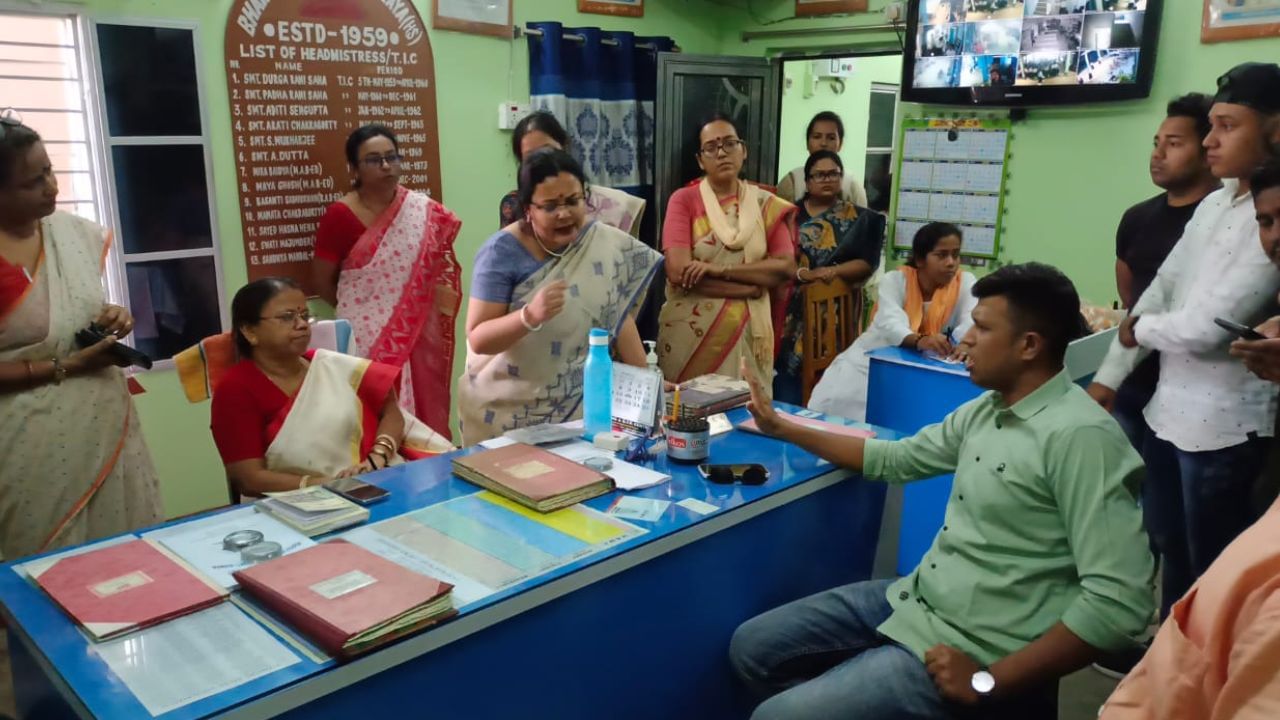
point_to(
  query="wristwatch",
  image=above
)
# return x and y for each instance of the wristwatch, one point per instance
(983, 683)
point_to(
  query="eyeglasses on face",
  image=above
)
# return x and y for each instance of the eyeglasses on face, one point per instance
(827, 175)
(552, 207)
(728, 145)
(291, 317)
(377, 161)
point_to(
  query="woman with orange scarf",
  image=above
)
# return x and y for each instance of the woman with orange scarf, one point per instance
(730, 252)
(925, 306)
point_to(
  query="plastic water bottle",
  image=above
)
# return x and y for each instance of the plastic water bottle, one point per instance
(597, 385)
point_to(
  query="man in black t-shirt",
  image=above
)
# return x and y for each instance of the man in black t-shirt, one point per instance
(1149, 230)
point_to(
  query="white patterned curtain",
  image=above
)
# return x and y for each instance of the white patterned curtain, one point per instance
(603, 94)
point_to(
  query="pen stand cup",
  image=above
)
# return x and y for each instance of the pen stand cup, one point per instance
(688, 440)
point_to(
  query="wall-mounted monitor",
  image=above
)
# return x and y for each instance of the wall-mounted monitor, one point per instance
(1018, 53)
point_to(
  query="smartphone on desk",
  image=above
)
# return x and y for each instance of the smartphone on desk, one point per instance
(357, 491)
(1241, 331)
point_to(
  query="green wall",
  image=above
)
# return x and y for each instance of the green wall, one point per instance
(473, 74)
(1072, 172)
(850, 104)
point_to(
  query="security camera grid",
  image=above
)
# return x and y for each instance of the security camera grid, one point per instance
(1038, 42)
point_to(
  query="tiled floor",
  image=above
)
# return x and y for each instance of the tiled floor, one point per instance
(1080, 695)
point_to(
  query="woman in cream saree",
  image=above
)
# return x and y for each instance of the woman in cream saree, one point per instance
(75, 464)
(730, 250)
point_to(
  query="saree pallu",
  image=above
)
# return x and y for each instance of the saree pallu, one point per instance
(332, 421)
(839, 235)
(699, 335)
(75, 464)
(539, 379)
(400, 287)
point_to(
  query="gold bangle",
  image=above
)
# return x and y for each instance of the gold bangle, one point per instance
(303, 482)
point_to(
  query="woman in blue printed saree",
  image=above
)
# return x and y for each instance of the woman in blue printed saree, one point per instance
(538, 287)
(837, 240)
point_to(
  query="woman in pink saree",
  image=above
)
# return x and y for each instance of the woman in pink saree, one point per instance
(384, 258)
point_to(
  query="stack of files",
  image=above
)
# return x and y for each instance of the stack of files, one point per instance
(346, 599)
(313, 511)
(532, 476)
(123, 587)
(710, 394)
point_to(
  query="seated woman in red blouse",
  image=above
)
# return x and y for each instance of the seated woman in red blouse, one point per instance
(286, 417)
(384, 258)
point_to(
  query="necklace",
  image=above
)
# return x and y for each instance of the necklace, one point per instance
(546, 249)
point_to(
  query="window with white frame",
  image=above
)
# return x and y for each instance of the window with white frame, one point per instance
(120, 109)
(158, 155)
(881, 134)
(42, 79)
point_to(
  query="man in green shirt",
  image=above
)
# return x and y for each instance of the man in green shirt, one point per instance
(1041, 565)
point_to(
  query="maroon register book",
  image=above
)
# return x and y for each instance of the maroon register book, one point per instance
(345, 598)
(533, 477)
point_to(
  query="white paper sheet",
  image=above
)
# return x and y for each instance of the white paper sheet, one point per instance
(194, 657)
(626, 476)
(199, 542)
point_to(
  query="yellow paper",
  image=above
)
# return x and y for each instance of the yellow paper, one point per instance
(567, 520)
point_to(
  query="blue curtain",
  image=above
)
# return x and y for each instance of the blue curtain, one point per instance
(603, 94)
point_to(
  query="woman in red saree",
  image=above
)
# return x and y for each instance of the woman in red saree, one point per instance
(384, 258)
(286, 417)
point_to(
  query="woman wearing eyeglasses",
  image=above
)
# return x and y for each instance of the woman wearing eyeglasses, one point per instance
(75, 465)
(384, 258)
(538, 287)
(730, 246)
(285, 417)
(612, 207)
(838, 240)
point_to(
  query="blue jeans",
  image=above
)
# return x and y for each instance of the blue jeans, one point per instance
(1132, 397)
(820, 657)
(1194, 504)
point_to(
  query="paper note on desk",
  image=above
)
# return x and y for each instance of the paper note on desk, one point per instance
(311, 499)
(626, 476)
(194, 657)
(637, 508)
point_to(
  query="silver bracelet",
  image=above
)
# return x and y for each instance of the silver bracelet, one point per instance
(525, 321)
(798, 271)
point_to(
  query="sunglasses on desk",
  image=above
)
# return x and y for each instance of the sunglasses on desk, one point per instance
(747, 474)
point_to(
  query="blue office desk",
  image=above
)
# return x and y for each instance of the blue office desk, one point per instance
(640, 630)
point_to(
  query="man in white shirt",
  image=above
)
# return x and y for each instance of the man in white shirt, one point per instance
(825, 132)
(1210, 420)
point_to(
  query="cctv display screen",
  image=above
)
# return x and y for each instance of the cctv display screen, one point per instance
(1027, 52)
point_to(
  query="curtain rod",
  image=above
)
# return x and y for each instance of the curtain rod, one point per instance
(519, 31)
(750, 35)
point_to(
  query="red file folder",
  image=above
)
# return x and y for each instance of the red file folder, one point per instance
(121, 588)
(345, 598)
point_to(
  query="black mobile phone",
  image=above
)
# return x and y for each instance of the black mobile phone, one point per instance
(123, 354)
(357, 491)
(1241, 331)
